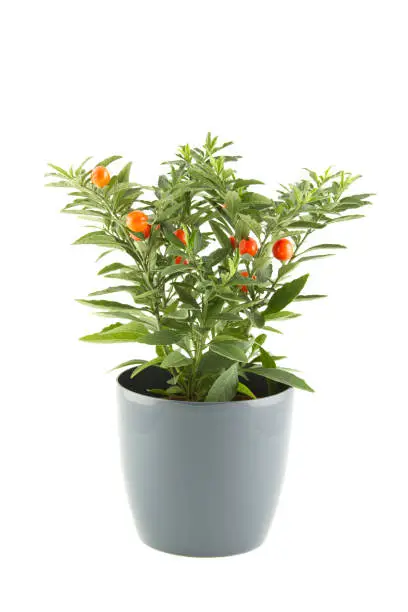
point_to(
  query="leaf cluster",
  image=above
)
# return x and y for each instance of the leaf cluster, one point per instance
(208, 333)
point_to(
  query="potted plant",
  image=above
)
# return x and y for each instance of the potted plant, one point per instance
(209, 267)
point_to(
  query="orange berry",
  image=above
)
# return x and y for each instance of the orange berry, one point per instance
(146, 233)
(136, 221)
(249, 246)
(181, 235)
(100, 176)
(283, 249)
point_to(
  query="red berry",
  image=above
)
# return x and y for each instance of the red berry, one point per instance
(233, 242)
(283, 249)
(249, 246)
(244, 288)
(179, 259)
(181, 235)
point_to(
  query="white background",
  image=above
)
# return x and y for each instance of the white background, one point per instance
(294, 84)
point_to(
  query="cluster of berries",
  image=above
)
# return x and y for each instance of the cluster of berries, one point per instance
(137, 221)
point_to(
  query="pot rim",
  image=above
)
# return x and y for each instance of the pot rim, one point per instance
(143, 398)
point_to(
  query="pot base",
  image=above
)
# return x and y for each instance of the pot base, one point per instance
(201, 554)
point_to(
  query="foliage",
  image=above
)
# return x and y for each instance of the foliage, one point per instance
(197, 312)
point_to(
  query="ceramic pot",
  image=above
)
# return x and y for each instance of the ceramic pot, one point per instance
(203, 479)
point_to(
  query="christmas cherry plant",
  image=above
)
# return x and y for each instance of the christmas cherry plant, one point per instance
(189, 243)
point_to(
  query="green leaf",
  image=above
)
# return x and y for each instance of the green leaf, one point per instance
(272, 329)
(357, 196)
(98, 238)
(246, 183)
(324, 246)
(282, 314)
(267, 359)
(143, 366)
(345, 218)
(304, 298)
(306, 225)
(286, 294)
(212, 362)
(103, 254)
(229, 350)
(233, 202)
(175, 359)
(226, 316)
(222, 238)
(108, 160)
(128, 363)
(282, 376)
(123, 176)
(118, 332)
(245, 390)
(59, 170)
(185, 296)
(108, 304)
(111, 268)
(175, 270)
(163, 337)
(224, 387)
(217, 256)
(176, 313)
(310, 257)
(131, 288)
(256, 199)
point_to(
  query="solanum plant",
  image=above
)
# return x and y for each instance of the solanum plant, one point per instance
(211, 264)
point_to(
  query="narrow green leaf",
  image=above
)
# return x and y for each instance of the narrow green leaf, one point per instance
(310, 257)
(162, 337)
(246, 183)
(185, 296)
(104, 254)
(128, 332)
(128, 363)
(124, 174)
(111, 268)
(345, 218)
(108, 160)
(147, 364)
(175, 359)
(226, 316)
(108, 304)
(245, 390)
(98, 238)
(307, 225)
(286, 294)
(267, 360)
(225, 386)
(303, 298)
(324, 246)
(229, 350)
(282, 314)
(282, 376)
(130, 288)
(222, 238)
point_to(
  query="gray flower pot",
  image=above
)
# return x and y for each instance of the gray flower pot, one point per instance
(203, 479)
